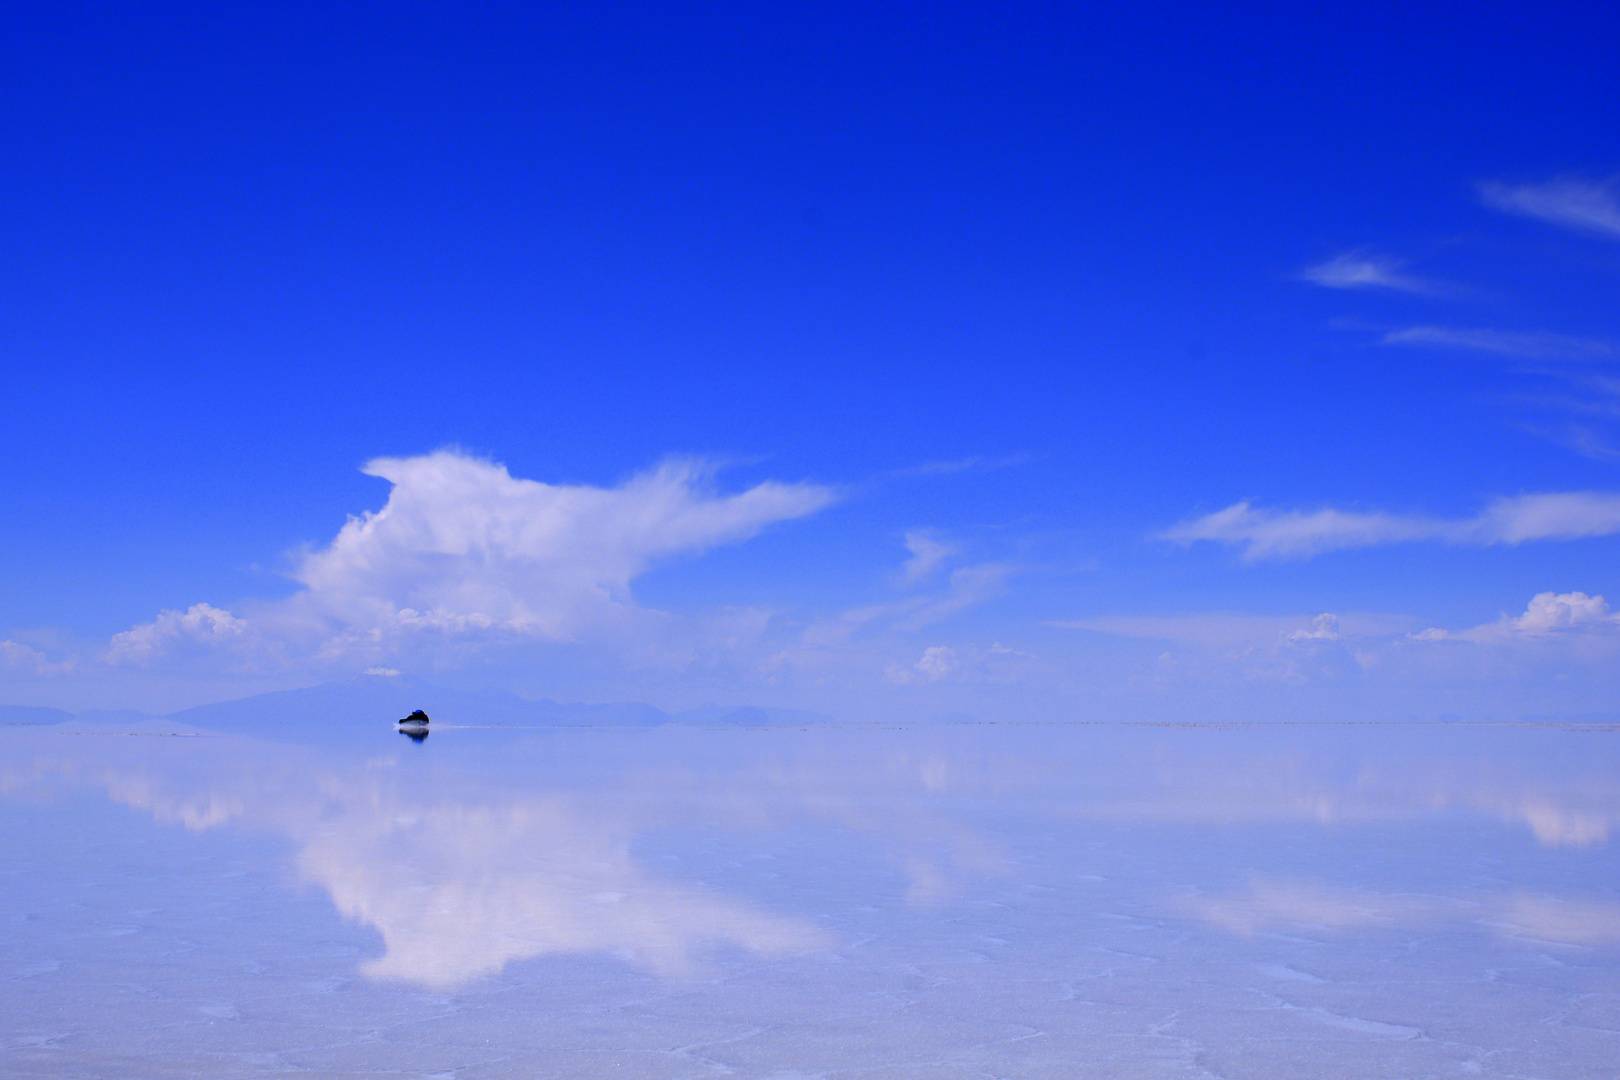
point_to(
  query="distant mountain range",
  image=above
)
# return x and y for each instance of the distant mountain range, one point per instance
(39, 714)
(367, 700)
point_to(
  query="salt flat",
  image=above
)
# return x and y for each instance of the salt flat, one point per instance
(835, 900)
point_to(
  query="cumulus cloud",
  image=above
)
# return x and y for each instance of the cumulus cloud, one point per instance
(1573, 202)
(1324, 627)
(463, 549)
(1547, 614)
(1550, 612)
(14, 654)
(200, 623)
(1280, 534)
(1361, 270)
(938, 662)
(1526, 346)
(969, 663)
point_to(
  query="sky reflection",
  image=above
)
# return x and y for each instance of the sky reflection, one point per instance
(493, 847)
(1006, 900)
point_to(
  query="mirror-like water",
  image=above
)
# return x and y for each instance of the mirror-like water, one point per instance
(838, 901)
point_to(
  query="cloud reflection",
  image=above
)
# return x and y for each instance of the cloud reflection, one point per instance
(457, 887)
(461, 890)
(471, 854)
(1269, 906)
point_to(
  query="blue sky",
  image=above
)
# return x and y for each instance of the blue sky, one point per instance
(999, 306)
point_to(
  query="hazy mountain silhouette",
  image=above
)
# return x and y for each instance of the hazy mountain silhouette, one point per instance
(32, 714)
(368, 703)
(748, 716)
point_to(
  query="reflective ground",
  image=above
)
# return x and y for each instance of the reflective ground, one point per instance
(839, 901)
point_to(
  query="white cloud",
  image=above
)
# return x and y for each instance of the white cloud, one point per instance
(200, 623)
(1278, 534)
(461, 544)
(969, 586)
(967, 464)
(14, 654)
(1557, 634)
(966, 663)
(1224, 646)
(1547, 614)
(928, 555)
(966, 587)
(1229, 630)
(1325, 627)
(1590, 401)
(938, 662)
(1573, 202)
(1358, 270)
(1566, 516)
(1528, 346)
(464, 550)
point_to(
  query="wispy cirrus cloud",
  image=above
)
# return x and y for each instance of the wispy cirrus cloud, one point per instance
(1281, 534)
(1571, 201)
(1228, 630)
(928, 555)
(1593, 400)
(1365, 270)
(1555, 632)
(975, 463)
(964, 587)
(968, 586)
(1525, 346)
(1580, 389)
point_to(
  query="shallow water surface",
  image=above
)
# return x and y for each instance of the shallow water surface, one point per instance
(833, 901)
